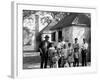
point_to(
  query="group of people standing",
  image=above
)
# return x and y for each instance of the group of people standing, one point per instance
(62, 55)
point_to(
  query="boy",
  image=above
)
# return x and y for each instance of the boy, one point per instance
(76, 52)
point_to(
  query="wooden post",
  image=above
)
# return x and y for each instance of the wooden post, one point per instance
(36, 31)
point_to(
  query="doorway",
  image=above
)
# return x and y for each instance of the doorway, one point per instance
(60, 35)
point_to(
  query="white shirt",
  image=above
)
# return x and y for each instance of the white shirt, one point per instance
(51, 51)
(52, 48)
(59, 45)
(63, 42)
(85, 46)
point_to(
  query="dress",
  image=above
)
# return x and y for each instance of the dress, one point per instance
(64, 56)
(55, 61)
(70, 55)
(50, 56)
(64, 53)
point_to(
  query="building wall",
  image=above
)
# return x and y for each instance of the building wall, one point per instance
(72, 32)
(67, 34)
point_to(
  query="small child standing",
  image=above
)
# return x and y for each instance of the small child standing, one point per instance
(50, 54)
(64, 56)
(55, 60)
(70, 55)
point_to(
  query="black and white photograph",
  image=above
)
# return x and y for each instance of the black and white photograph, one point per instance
(55, 39)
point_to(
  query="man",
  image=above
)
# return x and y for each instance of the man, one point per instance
(76, 52)
(84, 52)
(44, 46)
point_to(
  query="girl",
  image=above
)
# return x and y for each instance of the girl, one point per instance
(50, 54)
(55, 60)
(64, 56)
(70, 55)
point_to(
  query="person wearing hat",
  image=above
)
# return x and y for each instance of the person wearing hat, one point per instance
(76, 52)
(44, 46)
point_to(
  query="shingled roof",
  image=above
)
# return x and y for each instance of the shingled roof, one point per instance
(68, 20)
(82, 19)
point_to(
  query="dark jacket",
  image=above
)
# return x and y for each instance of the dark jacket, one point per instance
(43, 48)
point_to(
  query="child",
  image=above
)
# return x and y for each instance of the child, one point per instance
(64, 56)
(70, 55)
(50, 54)
(76, 52)
(55, 60)
(59, 57)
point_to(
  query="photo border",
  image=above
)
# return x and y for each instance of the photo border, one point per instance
(17, 70)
